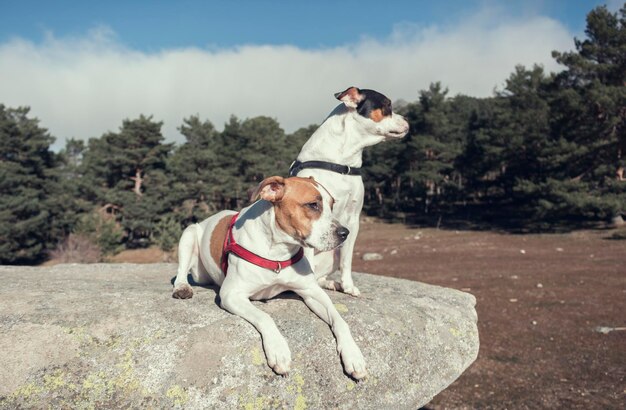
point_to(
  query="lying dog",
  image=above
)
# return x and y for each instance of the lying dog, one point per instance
(257, 254)
(333, 155)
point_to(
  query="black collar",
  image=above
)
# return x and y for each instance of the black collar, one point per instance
(298, 166)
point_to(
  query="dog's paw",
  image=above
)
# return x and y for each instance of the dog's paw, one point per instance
(354, 362)
(329, 284)
(336, 286)
(351, 290)
(278, 355)
(183, 291)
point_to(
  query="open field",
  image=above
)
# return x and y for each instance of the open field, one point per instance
(540, 300)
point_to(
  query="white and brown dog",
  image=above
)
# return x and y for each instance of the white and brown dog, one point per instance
(333, 155)
(257, 254)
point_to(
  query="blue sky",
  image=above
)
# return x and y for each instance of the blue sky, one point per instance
(154, 25)
(84, 66)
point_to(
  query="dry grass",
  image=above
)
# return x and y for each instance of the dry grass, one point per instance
(76, 248)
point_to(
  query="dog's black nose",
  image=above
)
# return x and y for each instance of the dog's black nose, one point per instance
(342, 233)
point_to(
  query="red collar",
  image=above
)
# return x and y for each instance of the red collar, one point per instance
(230, 246)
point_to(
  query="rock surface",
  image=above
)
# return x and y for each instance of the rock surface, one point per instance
(111, 336)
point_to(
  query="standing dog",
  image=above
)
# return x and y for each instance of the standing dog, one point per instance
(257, 254)
(334, 155)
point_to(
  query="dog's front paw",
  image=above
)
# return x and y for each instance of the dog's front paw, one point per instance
(351, 290)
(278, 354)
(329, 284)
(348, 289)
(354, 362)
(183, 291)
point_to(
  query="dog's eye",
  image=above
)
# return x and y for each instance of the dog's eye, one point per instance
(313, 206)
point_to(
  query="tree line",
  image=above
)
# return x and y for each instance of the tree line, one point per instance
(548, 149)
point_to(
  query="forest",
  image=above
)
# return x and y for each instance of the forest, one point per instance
(544, 152)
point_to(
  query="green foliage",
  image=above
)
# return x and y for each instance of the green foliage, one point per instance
(589, 117)
(33, 207)
(198, 178)
(418, 173)
(508, 139)
(127, 170)
(555, 200)
(167, 233)
(547, 148)
(250, 150)
(101, 230)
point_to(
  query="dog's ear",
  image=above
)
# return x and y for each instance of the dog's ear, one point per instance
(351, 97)
(271, 189)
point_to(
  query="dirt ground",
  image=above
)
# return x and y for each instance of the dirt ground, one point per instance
(541, 301)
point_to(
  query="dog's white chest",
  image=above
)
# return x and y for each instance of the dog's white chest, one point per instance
(269, 292)
(347, 190)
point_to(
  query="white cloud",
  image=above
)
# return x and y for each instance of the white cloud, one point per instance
(85, 87)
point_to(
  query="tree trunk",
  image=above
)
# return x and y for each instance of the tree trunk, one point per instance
(138, 182)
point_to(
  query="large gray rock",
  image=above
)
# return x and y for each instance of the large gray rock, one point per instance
(83, 336)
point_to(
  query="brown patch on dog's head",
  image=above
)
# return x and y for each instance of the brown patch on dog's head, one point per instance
(377, 115)
(374, 105)
(298, 203)
(300, 206)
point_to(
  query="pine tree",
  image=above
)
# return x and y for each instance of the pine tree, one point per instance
(431, 149)
(480, 161)
(262, 150)
(508, 139)
(126, 172)
(383, 179)
(249, 151)
(33, 217)
(589, 123)
(196, 173)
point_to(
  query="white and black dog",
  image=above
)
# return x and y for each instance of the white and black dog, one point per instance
(258, 253)
(333, 155)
